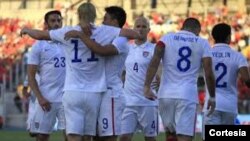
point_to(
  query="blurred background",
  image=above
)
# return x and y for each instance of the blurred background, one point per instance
(164, 15)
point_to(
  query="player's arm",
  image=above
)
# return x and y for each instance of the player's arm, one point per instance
(130, 33)
(25, 87)
(210, 81)
(106, 50)
(44, 103)
(244, 73)
(36, 34)
(152, 69)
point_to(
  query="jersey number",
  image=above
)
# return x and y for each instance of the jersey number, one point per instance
(223, 67)
(135, 68)
(59, 62)
(184, 59)
(76, 59)
(105, 123)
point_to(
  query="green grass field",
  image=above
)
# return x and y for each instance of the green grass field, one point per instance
(57, 136)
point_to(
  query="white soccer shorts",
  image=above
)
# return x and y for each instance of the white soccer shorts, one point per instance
(178, 115)
(81, 112)
(109, 120)
(43, 122)
(140, 117)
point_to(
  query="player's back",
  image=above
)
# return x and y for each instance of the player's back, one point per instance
(181, 63)
(226, 64)
(85, 71)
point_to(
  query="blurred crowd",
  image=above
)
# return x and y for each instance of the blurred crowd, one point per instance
(13, 48)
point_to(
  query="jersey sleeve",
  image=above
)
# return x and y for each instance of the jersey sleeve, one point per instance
(206, 49)
(120, 44)
(111, 30)
(242, 61)
(34, 54)
(58, 34)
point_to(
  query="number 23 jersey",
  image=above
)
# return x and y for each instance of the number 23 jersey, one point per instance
(181, 64)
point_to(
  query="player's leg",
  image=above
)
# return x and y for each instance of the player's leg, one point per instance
(167, 112)
(61, 120)
(148, 119)
(110, 117)
(129, 123)
(92, 107)
(73, 103)
(43, 122)
(185, 117)
(31, 113)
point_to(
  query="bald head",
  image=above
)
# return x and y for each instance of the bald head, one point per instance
(142, 26)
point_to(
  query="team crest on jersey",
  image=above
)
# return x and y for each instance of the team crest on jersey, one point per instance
(145, 53)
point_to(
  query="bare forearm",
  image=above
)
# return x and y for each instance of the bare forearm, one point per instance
(34, 87)
(130, 34)
(211, 85)
(152, 69)
(38, 34)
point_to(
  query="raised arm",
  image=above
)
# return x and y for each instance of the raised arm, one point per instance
(210, 81)
(130, 33)
(36, 34)
(152, 69)
(106, 50)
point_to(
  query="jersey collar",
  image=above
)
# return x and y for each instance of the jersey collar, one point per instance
(142, 45)
(221, 45)
(186, 32)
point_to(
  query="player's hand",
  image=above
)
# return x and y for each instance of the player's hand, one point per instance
(149, 94)
(24, 31)
(25, 92)
(211, 106)
(44, 103)
(87, 29)
(72, 34)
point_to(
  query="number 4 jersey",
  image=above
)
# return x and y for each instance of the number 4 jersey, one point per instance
(181, 64)
(226, 64)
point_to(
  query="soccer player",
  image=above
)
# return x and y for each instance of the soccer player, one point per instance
(182, 54)
(85, 77)
(112, 105)
(227, 66)
(140, 112)
(48, 60)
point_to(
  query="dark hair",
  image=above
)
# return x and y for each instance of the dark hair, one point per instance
(192, 24)
(220, 33)
(117, 13)
(46, 17)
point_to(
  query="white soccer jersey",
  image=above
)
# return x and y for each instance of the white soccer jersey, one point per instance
(115, 63)
(181, 63)
(226, 64)
(51, 68)
(136, 64)
(85, 71)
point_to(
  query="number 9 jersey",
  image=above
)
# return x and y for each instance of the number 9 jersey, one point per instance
(181, 64)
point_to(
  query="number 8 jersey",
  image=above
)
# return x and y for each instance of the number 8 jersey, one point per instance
(181, 64)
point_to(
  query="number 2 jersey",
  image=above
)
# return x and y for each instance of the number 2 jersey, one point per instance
(226, 64)
(85, 71)
(181, 64)
(50, 59)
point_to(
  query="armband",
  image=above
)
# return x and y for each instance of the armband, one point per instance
(160, 44)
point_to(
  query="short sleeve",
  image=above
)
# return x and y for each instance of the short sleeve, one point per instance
(120, 44)
(34, 54)
(242, 61)
(206, 49)
(58, 34)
